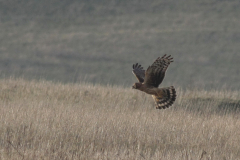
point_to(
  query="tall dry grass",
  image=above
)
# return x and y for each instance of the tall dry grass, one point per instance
(42, 120)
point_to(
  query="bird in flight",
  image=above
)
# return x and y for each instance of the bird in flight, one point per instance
(150, 79)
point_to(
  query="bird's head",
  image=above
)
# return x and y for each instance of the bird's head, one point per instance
(136, 85)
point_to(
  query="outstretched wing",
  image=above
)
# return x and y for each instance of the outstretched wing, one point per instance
(139, 72)
(155, 73)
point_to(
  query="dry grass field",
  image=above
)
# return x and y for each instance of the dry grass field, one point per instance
(44, 120)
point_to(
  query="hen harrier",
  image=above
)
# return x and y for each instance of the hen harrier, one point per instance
(150, 79)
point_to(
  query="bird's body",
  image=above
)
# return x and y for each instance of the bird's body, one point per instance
(149, 90)
(150, 79)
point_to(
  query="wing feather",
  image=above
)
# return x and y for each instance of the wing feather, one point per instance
(155, 73)
(139, 72)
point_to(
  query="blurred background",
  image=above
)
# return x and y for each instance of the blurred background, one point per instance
(97, 41)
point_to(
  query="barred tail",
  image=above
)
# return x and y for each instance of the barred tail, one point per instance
(165, 98)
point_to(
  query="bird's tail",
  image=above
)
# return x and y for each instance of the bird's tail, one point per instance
(165, 98)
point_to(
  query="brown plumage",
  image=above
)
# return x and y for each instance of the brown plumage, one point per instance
(150, 79)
